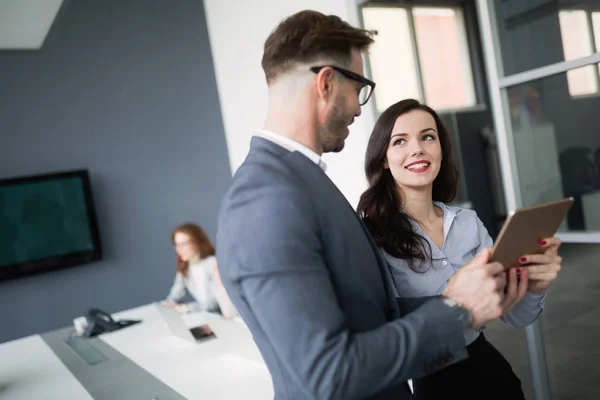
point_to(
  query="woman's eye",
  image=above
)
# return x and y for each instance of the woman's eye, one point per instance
(428, 137)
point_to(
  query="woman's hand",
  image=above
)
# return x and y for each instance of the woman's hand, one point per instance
(183, 308)
(542, 269)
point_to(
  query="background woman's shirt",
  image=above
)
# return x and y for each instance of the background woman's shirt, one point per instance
(202, 284)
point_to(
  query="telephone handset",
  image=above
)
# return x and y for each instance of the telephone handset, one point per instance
(101, 322)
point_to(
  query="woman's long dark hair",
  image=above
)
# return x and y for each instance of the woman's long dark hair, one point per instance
(380, 205)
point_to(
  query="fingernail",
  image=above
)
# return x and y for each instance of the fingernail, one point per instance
(543, 242)
(518, 270)
(523, 259)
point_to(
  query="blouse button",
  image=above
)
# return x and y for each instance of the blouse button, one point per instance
(445, 262)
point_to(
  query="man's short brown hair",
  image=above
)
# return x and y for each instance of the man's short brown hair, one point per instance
(308, 36)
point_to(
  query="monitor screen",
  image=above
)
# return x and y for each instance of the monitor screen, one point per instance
(47, 222)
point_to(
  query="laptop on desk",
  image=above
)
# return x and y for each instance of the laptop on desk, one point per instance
(178, 328)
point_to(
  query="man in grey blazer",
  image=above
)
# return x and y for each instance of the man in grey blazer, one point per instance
(297, 261)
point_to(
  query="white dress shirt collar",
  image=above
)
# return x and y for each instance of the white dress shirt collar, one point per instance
(292, 145)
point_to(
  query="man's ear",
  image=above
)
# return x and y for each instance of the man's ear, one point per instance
(325, 79)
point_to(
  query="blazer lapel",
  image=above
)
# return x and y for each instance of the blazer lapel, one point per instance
(302, 165)
(392, 311)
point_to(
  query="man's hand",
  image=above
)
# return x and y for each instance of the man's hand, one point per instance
(518, 281)
(479, 288)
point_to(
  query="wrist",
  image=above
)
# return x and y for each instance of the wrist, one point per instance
(463, 315)
(537, 292)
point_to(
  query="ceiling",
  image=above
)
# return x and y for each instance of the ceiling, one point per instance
(24, 24)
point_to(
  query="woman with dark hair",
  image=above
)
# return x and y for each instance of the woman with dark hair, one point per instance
(411, 177)
(197, 273)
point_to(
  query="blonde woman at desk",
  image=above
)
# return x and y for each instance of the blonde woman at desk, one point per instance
(197, 274)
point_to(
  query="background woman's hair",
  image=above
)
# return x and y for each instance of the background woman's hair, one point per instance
(199, 239)
(380, 205)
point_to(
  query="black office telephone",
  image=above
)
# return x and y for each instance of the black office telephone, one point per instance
(101, 322)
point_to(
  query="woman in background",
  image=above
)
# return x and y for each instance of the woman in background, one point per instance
(197, 273)
(411, 176)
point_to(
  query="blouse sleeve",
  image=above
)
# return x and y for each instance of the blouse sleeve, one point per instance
(177, 291)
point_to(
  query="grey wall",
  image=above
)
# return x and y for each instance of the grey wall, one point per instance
(126, 89)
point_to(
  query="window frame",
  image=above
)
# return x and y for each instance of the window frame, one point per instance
(465, 45)
(595, 48)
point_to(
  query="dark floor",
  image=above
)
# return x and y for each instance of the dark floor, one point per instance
(571, 329)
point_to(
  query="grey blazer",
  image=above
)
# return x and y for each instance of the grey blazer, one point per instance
(308, 280)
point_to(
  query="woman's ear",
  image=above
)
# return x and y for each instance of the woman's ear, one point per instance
(385, 164)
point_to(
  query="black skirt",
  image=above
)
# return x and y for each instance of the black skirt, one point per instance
(484, 375)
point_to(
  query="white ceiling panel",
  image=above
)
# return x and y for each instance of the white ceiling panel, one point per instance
(24, 24)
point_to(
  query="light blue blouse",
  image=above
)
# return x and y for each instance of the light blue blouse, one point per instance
(464, 237)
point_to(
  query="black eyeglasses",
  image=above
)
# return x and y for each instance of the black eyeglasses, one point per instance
(365, 91)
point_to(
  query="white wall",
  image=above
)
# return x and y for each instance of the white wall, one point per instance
(237, 31)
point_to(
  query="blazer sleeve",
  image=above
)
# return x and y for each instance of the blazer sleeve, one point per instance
(269, 236)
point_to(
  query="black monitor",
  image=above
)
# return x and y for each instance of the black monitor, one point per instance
(47, 222)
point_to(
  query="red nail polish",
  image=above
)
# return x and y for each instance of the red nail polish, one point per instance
(543, 242)
(523, 259)
(518, 271)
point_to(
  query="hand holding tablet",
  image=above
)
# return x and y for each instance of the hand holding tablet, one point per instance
(526, 228)
(527, 240)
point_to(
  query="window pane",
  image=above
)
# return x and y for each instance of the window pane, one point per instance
(444, 58)
(576, 42)
(529, 34)
(391, 57)
(557, 147)
(596, 26)
(582, 81)
(575, 34)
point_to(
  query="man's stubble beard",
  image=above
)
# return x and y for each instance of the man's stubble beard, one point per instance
(333, 133)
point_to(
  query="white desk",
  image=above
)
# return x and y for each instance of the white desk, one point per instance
(30, 370)
(229, 367)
